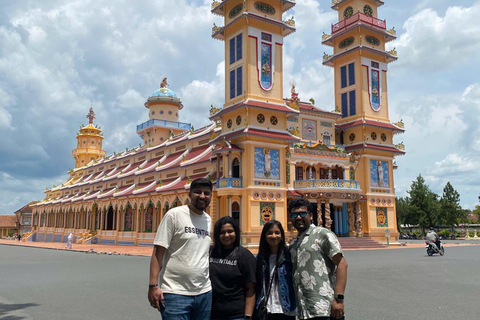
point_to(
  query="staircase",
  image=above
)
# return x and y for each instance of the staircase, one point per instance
(360, 243)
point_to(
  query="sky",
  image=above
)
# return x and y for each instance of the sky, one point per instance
(60, 57)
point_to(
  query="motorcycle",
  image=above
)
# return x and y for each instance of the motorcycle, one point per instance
(432, 248)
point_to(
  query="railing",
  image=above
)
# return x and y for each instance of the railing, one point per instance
(359, 17)
(229, 183)
(164, 123)
(326, 184)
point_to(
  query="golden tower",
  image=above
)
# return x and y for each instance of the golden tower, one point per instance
(89, 143)
(360, 63)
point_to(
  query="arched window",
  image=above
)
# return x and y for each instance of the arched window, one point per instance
(311, 173)
(236, 168)
(326, 138)
(298, 173)
(236, 213)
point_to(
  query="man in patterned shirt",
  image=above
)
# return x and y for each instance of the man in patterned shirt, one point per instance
(319, 268)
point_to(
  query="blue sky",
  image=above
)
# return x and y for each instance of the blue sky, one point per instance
(58, 58)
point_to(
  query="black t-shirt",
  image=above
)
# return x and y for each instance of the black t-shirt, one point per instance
(229, 273)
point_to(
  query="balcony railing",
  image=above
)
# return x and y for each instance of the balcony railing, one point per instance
(359, 17)
(326, 184)
(164, 123)
(229, 183)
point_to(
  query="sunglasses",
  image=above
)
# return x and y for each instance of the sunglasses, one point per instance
(302, 214)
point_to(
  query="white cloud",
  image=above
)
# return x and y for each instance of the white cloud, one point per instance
(431, 42)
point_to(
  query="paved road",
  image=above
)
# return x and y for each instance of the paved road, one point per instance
(383, 284)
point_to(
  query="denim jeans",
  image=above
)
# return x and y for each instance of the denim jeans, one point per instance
(181, 307)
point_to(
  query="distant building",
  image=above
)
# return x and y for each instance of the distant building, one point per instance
(8, 225)
(261, 149)
(24, 217)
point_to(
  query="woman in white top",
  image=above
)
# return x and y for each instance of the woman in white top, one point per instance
(274, 279)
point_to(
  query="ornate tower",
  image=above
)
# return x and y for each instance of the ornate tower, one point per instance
(89, 143)
(163, 108)
(361, 64)
(253, 118)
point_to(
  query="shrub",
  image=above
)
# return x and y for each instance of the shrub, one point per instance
(458, 234)
(444, 232)
(471, 234)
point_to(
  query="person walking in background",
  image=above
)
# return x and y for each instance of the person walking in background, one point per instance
(69, 241)
(232, 273)
(180, 252)
(274, 274)
(319, 268)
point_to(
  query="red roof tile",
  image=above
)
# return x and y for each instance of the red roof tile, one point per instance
(371, 123)
(8, 221)
(375, 147)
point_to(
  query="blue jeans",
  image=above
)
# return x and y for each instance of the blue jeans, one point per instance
(180, 307)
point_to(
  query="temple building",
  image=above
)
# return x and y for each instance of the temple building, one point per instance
(261, 150)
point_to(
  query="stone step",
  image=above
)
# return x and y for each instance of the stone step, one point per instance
(360, 243)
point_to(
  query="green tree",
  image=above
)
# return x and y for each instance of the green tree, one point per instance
(424, 204)
(450, 210)
(402, 206)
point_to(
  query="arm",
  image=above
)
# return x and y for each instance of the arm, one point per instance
(155, 294)
(250, 299)
(338, 308)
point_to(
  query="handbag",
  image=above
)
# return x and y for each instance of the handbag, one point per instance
(261, 313)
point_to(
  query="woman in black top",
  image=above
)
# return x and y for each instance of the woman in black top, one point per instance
(232, 273)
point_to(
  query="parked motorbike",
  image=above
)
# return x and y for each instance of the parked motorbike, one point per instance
(432, 248)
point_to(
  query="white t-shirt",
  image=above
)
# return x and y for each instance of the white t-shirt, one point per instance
(187, 237)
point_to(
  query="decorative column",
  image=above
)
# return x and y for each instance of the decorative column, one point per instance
(358, 219)
(102, 219)
(350, 219)
(328, 218)
(229, 166)
(229, 206)
(338, 220)
(319, 213)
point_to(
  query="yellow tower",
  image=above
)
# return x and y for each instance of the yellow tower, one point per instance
(253, 118)
(163, 109)
(89, 143)
(360, 63)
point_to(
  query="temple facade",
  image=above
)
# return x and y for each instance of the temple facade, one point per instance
(261, 150)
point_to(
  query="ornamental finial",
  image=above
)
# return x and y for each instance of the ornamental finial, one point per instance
(91, 116)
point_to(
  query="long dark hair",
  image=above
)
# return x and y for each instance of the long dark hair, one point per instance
(264, 253)
(217, 245)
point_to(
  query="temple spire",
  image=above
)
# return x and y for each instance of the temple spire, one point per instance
(91, 115)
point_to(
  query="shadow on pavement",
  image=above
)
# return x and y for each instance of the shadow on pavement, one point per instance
(6, 309)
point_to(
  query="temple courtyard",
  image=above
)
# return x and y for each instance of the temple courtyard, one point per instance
(382, 284)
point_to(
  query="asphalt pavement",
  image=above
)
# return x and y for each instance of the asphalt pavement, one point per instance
(382, 284)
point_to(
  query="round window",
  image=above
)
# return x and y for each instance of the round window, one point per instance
(153, 112)
(383, 136)
(260, 118)
(238, 120)
(351, 137)
(374, 136)
(348, 12)
(368, 10)
(229, 123)
(169, 112)
(161, 111)
(273, 120)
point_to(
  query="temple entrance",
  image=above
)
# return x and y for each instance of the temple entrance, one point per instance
(236, 213)
(109, 225)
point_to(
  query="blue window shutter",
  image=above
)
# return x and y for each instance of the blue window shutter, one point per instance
(353, 108)
(232, 84)
(344, 105)
(239, 47)
(343, 75)
(351, 74)
(232, 50)
(239, 81)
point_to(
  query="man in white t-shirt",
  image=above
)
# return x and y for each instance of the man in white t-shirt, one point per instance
(180, 257)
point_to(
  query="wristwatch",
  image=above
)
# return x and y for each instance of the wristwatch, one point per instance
(339, 297)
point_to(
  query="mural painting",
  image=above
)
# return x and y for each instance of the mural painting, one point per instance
(379, 173)
(129, 219)
(266, 163)
(149, 219)
(382, 220)
(309, 129)
(375, 90)
(267, 212)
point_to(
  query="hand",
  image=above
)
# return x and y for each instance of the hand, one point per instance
(338, 309)
(155, 295)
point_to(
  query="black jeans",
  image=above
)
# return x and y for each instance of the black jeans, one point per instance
(327, 318)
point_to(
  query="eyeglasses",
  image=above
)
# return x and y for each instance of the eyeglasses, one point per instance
(302, 214)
